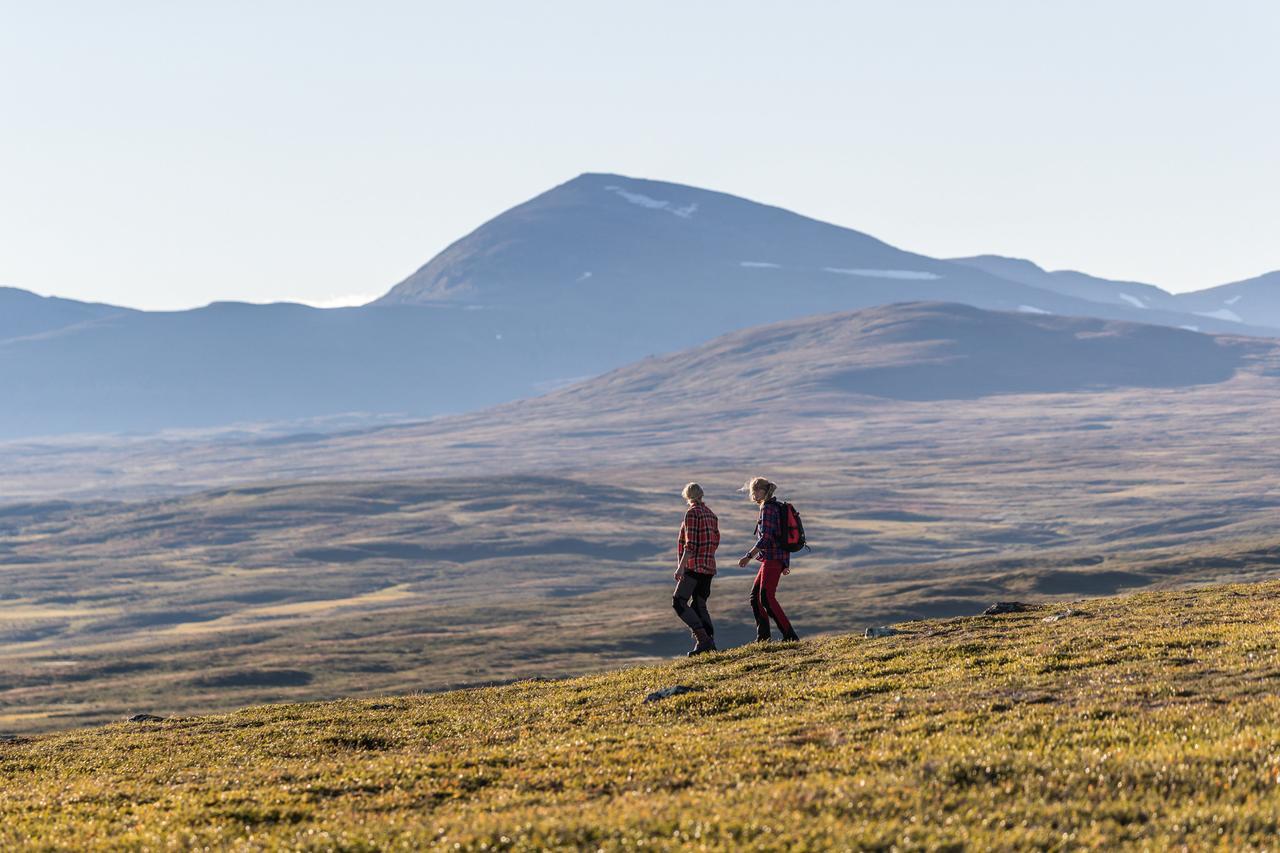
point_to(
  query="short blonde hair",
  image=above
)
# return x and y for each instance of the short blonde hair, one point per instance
(692, 492)
(762, 484)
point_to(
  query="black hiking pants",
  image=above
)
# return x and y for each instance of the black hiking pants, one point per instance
(690, 601)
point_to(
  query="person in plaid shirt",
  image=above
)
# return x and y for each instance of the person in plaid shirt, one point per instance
(775, 561)
(696, 552)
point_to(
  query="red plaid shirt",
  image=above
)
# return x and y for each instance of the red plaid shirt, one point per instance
(700, 537)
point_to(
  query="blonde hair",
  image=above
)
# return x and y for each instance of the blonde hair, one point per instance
(692, 492)
(767, 486)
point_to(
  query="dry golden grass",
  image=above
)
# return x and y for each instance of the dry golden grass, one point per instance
(1145, 722)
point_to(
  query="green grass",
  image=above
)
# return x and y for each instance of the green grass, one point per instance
(1151, 722)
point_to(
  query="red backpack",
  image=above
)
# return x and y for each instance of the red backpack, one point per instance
(791, 528)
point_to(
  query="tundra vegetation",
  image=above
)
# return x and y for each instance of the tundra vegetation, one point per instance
(1146, 720)
(193, 576)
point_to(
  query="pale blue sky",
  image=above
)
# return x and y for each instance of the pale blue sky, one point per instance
(166, 154)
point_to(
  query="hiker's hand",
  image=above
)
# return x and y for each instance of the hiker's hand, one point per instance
(742, 564)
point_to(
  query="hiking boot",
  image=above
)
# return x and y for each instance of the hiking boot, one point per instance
(791, 638)
(763, 638)
(702, 643)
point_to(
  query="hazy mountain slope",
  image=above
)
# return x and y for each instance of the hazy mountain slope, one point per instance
(683, 263)
(1071, 283)
(1141, 722)
(852, 371)
(1255, 301)
(587, 277)
(922, 351)
(231, 362)
(24, 313)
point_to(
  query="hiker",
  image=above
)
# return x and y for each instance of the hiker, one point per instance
(775, 561)
(696, 549)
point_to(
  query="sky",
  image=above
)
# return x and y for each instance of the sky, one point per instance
(163, 155)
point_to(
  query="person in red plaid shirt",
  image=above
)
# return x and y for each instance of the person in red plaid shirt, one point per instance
(696, 550)
(775, 561)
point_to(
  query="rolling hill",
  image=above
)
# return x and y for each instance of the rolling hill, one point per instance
(23, 313)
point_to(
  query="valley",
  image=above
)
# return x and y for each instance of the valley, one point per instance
(537, 539)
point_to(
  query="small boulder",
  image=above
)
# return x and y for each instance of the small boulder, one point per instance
(145, 718)
(880, 631)
(667, 692)
(1066, 614)
(1006, 607)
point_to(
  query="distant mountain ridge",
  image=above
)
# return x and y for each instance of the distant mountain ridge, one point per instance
(591, 275)
(604, 241)
(1254, 301)
(24, 313)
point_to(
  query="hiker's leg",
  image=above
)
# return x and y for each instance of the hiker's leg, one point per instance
(700, 595)
(757, 607)
(772, 572)
(680, 602)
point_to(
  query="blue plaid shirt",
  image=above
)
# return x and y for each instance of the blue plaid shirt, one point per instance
(769, 533)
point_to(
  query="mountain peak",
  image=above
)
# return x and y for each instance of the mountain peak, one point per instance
(603, 233)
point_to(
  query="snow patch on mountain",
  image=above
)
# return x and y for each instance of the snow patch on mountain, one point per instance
(349, 300)
(1031, 309)
(759, 265)
(1233, 300)
(1133, 300)
(1222, 314)
(653, 203)
(913, 275)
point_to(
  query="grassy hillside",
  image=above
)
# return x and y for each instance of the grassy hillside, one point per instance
(1147, 720)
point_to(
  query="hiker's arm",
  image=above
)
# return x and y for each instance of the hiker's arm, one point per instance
(768, 533)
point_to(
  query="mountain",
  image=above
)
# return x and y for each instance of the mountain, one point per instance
(673, 265)
(24, 313)
(812, 383)
(589, 276)
(1255, 301)
(1081, 285)
(232, 363)
(922, 351)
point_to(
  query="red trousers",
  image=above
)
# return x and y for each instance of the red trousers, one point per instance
(764, 603)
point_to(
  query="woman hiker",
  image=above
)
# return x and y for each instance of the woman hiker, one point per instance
(775, 561)
(696, 548)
